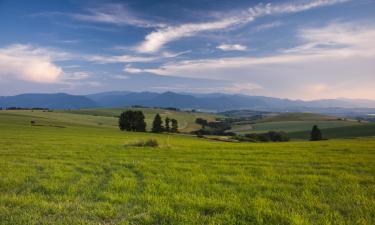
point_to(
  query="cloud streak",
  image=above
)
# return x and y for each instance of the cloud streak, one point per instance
(158, 38)
(235, 47)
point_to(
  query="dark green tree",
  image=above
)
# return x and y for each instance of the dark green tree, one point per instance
(174, 128)
(316, 134)
(139, 121)
(157, 124)
(167, 127)
(124, 121)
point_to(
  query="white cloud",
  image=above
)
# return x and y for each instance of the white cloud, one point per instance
(235, 47)
(29, 63)
(157, 39)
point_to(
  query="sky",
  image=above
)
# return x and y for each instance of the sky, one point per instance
(297, 49)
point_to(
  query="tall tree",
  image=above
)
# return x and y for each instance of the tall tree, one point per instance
(125, 121)
(139, 121)
(157, 124)
(316, 134)
(167, 128)
(174, 128)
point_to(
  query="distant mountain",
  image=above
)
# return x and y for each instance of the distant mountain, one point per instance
(51, 101)
(207, 102)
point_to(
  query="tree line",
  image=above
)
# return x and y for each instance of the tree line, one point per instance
(135, 121)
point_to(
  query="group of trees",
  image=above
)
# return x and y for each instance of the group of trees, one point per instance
(135, 121)
(132, 121)
(171, 125)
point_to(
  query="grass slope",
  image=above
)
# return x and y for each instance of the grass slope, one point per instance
(365, 130)
(295, 116)
(74, 171)
(292, 122)
(290, 126)
(186, 119)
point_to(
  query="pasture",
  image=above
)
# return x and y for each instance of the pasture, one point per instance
(78, 169)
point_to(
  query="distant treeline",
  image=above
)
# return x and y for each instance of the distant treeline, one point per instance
(147, 107)
(23, 108)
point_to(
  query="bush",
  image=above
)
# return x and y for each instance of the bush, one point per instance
(316, 134)
(145, 143)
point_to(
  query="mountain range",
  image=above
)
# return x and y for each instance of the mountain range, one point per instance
(204, 102)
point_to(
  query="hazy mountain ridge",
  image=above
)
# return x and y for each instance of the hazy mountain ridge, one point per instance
(52, 101)
(212, 101)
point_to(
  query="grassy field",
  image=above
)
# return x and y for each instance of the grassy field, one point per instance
(186, 119)
(77, 169)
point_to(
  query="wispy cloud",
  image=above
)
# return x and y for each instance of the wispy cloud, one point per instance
(234, 47)
(326, 55)
(114, 14)
(118, 59)
(267, 26)
(130, 69)
(157, 39)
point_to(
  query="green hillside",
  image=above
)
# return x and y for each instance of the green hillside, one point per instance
(79, 169)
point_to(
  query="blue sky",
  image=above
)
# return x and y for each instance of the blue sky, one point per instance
(300, 49)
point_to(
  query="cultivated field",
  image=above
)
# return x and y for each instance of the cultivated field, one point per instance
(77, 169)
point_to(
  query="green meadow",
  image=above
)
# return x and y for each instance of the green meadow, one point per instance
(78, 168)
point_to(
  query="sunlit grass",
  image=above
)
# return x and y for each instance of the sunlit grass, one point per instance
(87, 173)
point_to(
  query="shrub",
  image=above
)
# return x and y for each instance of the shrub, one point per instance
(316, 134)
(145, 143)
